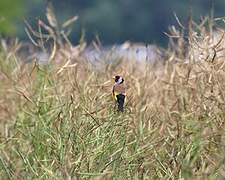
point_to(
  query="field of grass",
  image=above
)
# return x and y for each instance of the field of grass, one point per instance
(57, 121)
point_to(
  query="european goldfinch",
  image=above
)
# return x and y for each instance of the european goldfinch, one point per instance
(118, 92)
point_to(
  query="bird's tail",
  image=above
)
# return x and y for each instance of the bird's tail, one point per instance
(120, 101)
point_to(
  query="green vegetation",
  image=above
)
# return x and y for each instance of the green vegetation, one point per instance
(58, 121)
(9, 15)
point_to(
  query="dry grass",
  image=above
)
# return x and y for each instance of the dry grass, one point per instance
(58, 121)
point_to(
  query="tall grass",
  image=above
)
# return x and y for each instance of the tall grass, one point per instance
(58, 120)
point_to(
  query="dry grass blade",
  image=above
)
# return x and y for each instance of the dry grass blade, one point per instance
(20, 92)
(35, 33)
(51, 16)
(221, 39)
(66, 65)
(53, 53)
(70, 21)
(178, 21)
(46, 27)
(30, 37)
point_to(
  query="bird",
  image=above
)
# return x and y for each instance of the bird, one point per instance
(118, 92)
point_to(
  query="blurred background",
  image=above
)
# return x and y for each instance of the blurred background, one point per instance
(113, 21)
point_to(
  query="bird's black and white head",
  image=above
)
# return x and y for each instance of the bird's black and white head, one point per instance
(119, 79)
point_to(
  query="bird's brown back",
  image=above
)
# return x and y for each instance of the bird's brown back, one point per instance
(119, 89)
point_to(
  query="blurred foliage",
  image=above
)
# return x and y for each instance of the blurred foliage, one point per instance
(140, 21)
(10, 12)
(118, 20)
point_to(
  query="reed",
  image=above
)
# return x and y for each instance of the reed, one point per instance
(58, 121)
